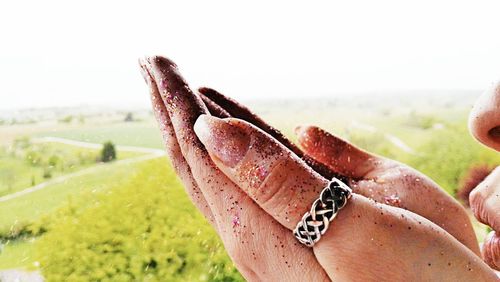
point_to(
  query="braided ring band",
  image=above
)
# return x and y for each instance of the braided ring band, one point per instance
(315, 222)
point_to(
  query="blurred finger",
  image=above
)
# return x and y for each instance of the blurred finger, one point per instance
(336, 153)
(238, 218)
(491, 250)
(214, 108)
(237, 110)
(240, 111)
(485, 200)
(172, 147)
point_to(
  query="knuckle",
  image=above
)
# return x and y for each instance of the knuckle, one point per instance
(274, 182)
(476, 198)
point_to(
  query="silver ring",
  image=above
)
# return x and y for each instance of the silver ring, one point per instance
(315, 222)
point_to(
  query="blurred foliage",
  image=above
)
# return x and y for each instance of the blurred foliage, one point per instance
(420, 120)
(66, 119)
(129, 117)
(143, 230)
(108, 152)
(24, 163)
(449, 155)
(471, 180)
(373, 142)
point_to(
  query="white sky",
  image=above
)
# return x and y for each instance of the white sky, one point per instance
(63, 53)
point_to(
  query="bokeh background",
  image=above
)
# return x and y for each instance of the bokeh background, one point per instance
(86, 193)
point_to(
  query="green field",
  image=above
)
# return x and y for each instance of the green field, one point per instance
(141, 134)
(37, 207)
(122, 220)
(25, 164)
(17, 254)
(30, 207)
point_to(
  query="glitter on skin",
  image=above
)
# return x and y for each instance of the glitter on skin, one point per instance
(256, 175)
(235, 221)
(392, 200)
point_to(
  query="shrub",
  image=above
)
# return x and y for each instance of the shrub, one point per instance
(420, 121)
(145, 229)
(47, 172)
(34, 158)
(129, 117)
(66, 119)
(108, 152)
(54, 160)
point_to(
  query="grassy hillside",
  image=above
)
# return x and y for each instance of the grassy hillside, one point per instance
(24, 163)
(142, 134)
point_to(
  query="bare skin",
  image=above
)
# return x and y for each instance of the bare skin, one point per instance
(383, 180)
(485, 203)
(484, 119)
(255, 189)
(484, 124)
(259, 247)
(390, 182)
(223, 107)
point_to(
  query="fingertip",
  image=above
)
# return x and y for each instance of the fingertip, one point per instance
(200, 127)
(304, 131)
(309, 136)
(491, 250)
(159, 61)
(203, 90)
(207, 126)
(224, 139)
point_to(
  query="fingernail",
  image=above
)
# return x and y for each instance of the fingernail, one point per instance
(164, 72)
(222, 139)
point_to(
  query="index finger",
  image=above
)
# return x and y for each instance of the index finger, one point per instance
(237, 110)
(280, 182)
(238, 218)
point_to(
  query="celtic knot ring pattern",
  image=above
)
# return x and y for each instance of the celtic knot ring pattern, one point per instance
(315, 222)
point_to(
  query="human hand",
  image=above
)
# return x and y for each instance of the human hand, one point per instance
(485, 203)
(260, 248)
(389, 182)
(366, 241)
(383, 180)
